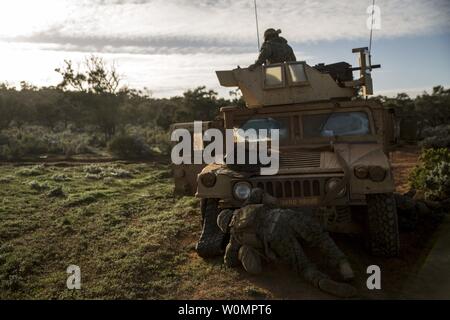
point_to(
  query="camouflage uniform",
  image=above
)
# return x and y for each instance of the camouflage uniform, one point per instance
(264, 232)
(275, 49)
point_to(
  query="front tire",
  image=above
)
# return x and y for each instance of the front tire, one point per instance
(212, 238)
(383, 225)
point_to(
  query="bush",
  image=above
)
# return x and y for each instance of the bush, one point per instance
(432, 175)
(38, 186)
(155, 137)
(31, 171)
(437, 182)
(108, 173)
(129, 147)
(437, 137)
(34, 141)
(10, 153)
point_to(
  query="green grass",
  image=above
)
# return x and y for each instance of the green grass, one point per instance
(128, 233)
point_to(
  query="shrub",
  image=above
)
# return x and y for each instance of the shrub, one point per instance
(61, 178)
(437, 182)
(84, 198)
(93, 169)
(56, 192)
(32, 172)
(6, 179)
(432, 175)
(38, 186)
(156, 138)
(96, 172)
(33, 141)
(437, 137)
(11, 152)
(129, 147)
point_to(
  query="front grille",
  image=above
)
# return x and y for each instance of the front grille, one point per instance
(300, 159)
(292, 188)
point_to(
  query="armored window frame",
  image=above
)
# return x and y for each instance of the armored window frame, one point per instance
(370, 127)
(290, 76)
(282, 83)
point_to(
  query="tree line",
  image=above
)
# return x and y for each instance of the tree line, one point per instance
(91, 98)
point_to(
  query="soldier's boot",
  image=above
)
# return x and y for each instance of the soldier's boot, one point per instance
(346, 270)
(212, 239)
(341, 290)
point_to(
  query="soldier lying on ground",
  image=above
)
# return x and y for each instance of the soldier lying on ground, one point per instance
(275, 49)
(261, 231)
(412, 206)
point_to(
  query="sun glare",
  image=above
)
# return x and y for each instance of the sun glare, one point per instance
(24, 17)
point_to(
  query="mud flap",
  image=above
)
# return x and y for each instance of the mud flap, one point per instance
(211, 242)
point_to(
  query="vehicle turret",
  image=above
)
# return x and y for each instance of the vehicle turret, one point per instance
(298, 83)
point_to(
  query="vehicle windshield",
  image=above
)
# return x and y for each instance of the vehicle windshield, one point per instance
(336, 124)
(269, 124)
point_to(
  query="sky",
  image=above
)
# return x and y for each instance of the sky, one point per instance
(169, 46)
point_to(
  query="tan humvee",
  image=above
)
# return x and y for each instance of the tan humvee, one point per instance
(334, 148)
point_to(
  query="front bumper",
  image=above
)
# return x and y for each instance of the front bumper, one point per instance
(295, 190)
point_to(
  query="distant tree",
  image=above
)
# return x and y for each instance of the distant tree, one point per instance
(99, 83)
(47, 108)
(167, 112)
(236, 98)
(6, 105)
(96, 76)
(202, 104)
(434, 108)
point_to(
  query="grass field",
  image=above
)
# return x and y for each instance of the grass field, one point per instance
(132, 239)
(119, 223)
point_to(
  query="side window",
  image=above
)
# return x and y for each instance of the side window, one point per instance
(274, 76)
(297, 73)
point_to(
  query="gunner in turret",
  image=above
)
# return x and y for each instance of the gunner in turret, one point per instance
(275, 49)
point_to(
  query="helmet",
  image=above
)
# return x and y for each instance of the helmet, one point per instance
(271, 33)
(224, 219)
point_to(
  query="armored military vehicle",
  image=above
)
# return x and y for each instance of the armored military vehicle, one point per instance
(333, 154)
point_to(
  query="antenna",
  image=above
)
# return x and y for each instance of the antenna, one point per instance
(257, 25)
(371, 27)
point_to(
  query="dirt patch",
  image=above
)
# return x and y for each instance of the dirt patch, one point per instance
(403, 161)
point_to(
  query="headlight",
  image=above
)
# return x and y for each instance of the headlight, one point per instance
(361, 172)
(331, 186)
(208, 179)
(377, 173)
(242, 190)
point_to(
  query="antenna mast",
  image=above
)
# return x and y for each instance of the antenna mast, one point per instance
(257, 25)
(371, 27)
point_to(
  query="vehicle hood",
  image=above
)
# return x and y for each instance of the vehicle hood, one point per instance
(339, 158)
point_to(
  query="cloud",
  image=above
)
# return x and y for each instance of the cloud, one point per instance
(207, 26)
(171, 45)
